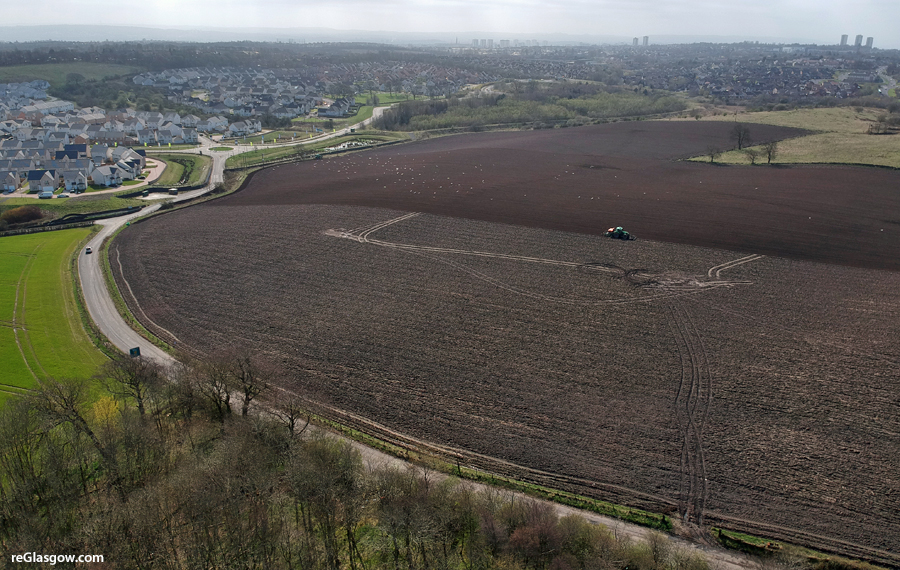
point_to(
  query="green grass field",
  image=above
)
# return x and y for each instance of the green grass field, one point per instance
(841, 137)
(385, 98)
(82, 204)
(56, 73)
(364, 113)
(262, 155)
(41, 335)
(272, 137)
(177, 163)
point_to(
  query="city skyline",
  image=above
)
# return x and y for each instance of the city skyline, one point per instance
(786, 21)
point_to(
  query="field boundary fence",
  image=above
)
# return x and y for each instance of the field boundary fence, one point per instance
(47, 228)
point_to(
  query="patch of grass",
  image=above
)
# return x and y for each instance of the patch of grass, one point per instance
(131, 182)
(364, 112)
(221, 148)
(183, 169)
(40, 326)
(271, 137)
(168, 147)
(55, 73)
(844, 120)
(842, 138)
(116, 295)
(172, 174)
(264, 155)
(764, 547)
(636, 516)
(82, 204)
(385, 98)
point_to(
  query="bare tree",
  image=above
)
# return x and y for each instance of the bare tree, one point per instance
(214, 383)
(770, 149)
(741, 135)
(752, 154)
(713, 153)
(291, 413)
(59, 403)
(252, 377)
(132, 378)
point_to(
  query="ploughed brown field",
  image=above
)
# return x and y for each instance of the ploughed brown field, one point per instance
(738, 365)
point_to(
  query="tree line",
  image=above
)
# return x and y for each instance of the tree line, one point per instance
(527, 103)
(181, 468)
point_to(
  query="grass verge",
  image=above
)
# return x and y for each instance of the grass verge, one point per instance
(628, 514)
(266, 155)
(119, 301)
(183, 169)
(766, 548)
(83, 204)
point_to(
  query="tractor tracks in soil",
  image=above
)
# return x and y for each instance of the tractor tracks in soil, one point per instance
(692, 403)
(694, 394)
(636, 277)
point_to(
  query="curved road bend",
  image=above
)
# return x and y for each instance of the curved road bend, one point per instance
(97, 298)
(103, 312)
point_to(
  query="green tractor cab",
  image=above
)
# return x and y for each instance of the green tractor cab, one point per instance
(618, 233)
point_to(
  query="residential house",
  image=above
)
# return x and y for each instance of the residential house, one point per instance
(42, 180)
(190, 121)
(128, 171)
(74, 181)
(111, 138)
(241, 128)
(132, 126)
(129, 155)
(20, 166)
(99, 154)
(9, 180)
(146, 136)
(190, 136)
(106, 176)
(58, 138)
(80, 149)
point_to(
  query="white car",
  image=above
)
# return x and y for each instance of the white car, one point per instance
(88, 250)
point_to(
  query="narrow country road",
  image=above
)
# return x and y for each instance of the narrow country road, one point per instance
(103, 312)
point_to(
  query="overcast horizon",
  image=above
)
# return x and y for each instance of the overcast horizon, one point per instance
(784, 21)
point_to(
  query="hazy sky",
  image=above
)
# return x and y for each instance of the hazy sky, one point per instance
(821, 21)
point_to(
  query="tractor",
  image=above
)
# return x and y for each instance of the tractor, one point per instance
(618, 233)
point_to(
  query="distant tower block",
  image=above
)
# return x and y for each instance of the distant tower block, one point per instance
(634, 42)
(858, 41)
(844, 40)
(475, 43)
(483, 44)
(646, 41)
(490, 44)
(869, 41)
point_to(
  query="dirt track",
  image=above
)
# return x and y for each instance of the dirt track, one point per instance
(729, 388)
